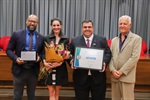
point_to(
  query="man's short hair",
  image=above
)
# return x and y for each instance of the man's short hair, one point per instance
(126, 16)
(87, 21)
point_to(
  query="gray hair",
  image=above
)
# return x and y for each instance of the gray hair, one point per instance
(127, 17)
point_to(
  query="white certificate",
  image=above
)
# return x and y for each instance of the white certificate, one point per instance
(89, 58)
(28, 55)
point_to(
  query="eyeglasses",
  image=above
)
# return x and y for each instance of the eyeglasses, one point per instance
(31, 21)
(87, 27)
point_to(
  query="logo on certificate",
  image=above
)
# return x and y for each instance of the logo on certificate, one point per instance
(78, 57)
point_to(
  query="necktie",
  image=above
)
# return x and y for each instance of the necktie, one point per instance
(30, 42)
(88, 43)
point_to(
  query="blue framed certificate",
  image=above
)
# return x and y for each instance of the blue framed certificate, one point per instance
(89, 58)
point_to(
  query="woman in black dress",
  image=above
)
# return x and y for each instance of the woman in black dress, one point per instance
(59, 74)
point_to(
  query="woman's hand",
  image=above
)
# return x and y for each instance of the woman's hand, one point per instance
(56, 64)
(67, 55)
(49, 65)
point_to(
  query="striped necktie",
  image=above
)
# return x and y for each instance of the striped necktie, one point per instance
(88, 43)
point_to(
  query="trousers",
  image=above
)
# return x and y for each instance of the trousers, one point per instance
(27, 78)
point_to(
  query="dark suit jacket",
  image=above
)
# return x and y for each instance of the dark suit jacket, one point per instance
(80, 75)
(17, 44)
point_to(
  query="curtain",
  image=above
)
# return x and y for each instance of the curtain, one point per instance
(103, 13)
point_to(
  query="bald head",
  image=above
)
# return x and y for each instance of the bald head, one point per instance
(32, 22)
(32, 16)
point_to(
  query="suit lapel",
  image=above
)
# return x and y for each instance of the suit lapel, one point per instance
(117, 43)
(37, 40)
(82, 41)
(93, 44)
(23, 39)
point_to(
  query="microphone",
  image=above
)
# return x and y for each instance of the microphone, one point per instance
(94, 43)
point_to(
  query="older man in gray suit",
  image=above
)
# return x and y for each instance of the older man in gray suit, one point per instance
(125, 55)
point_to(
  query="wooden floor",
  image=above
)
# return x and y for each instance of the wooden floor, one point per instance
(42, 94)
(42, 98)
(46, 98)
(38, 98)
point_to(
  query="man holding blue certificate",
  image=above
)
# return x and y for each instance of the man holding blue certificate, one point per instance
(91, 56)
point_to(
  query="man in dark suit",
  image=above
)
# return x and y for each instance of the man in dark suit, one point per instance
(25, 72)
(88, 80)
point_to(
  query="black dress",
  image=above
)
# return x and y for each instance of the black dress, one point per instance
(59, 75)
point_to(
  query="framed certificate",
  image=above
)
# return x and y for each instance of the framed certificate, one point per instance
(28, 55)
(89, 58)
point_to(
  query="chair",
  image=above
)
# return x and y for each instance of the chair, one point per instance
(143, 48)
(109, 43)
(2, 41)
(0, 47)
(6, 44)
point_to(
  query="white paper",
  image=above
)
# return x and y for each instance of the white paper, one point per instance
(89, 58)
(28, 55)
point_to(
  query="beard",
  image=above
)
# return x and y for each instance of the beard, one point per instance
(31, 30)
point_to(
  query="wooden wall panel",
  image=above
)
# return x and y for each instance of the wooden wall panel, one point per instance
(142, 74)
(5, 67)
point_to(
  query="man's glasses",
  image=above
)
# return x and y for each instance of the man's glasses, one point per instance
(31, 21)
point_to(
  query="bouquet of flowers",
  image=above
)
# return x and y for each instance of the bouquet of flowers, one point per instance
(53, 53)
(44, 72)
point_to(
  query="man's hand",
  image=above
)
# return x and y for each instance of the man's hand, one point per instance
(71, 62)
(19, 61)
(38, 58)
(117, 74)
(104, 67)
(120, 73)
